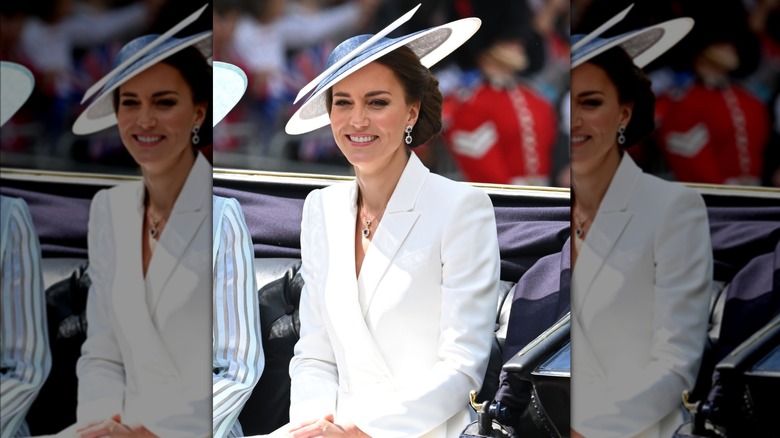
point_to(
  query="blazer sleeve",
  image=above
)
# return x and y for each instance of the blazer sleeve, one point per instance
(25, 356)
(683, 275)
(313, 368)
(238, 352)
(100, 368)
(469, 292)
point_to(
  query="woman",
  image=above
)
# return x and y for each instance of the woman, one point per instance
(150, 307)
(401, 266)
(642, 259)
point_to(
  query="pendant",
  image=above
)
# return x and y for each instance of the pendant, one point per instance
(153, 232)
(578, 232)
(366, 232)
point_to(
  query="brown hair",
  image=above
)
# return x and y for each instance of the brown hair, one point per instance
(633, 86)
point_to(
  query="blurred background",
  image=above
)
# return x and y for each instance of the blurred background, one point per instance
(506, 109)
(503, 113)
(717, 104)
(502, 90)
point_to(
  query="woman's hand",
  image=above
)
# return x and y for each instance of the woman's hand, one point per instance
(325, 427)
(113, 427)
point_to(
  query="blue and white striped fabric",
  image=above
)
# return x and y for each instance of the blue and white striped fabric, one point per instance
(25, 359)
(238, 352)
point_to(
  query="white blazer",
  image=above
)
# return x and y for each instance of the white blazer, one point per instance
(640, 299)
(147, 354)
(397, 350)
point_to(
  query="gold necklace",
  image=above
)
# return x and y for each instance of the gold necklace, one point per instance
(367, 229)
(579, 231)
(155, 228)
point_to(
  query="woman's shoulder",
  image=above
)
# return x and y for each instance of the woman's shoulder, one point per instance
(663, 192)
(125, 191)
(452, 192)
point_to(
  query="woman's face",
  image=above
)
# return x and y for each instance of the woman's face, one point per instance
(368, 116)
(155, 115)
(596, 115)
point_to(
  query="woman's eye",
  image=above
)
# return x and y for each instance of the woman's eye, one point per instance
(340, 102)
(128, 102)
(166, 102)
(378, 102)
(591, 102)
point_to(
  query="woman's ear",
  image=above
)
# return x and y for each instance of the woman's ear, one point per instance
(200, 113)
(414, 112)
(625, 113)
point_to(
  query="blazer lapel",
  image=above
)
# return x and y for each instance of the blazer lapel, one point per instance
(128, 290)
(611, 219)
(192, 207)
(397, 222)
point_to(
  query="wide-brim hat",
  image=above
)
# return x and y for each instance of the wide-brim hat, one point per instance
(16, 85)
(134, 58)
(643, 45)
(430, 45)
(229, 86)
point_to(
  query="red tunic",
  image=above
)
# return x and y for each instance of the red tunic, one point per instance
(714, 135)
(502, 136)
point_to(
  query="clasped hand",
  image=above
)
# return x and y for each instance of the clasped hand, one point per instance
(325, 427)
(113, 427)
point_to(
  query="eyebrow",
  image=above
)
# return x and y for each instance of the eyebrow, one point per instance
(157, 94)
(589, 93)
(369, 94)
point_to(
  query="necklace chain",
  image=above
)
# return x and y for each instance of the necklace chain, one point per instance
(579, 231)
(367, 229)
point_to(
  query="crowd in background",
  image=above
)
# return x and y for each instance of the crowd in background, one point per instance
(511, 76)
(506, 103)
(717, 92)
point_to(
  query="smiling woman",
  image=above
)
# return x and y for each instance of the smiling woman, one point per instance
(642, 258)
(398, 305)
(145, 363)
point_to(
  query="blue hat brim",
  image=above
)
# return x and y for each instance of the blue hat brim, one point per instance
(431, 46)
(100, 113)
(16, 85)
(229, 84)
(643, 45)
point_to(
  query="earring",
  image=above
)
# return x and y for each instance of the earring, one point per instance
(408, 138)
(195, 137)
(621, 138)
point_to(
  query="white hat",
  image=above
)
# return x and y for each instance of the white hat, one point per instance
(643, 45)
(135, 57)
(16, 85)
(229, 86)
(431, 45)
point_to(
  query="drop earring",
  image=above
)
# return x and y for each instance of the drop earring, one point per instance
(621, 137)
(195, 137)
(408, 138)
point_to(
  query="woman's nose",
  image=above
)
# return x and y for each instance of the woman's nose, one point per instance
(359, 118)
(576, 120)
(146, 117)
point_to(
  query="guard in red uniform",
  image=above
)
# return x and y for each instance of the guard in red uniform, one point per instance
(714, 131)
(498, 129)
